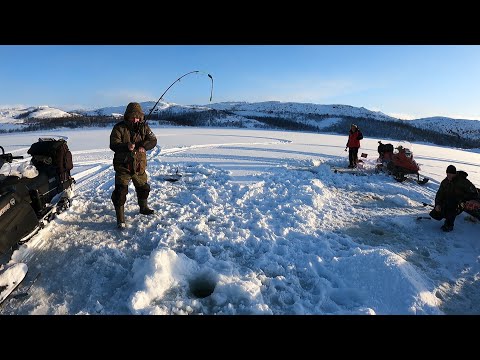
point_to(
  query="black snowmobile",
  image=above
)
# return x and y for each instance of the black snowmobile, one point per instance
(27, 204)
(398, 162)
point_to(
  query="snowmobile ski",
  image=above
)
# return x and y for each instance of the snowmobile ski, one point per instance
(24, 294)
(10, 278)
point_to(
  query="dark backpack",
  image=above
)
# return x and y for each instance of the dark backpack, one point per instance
(385, 148)
(51, 154)
(360, 135)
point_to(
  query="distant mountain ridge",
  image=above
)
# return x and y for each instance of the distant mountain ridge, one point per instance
(277, 107)
(268, 114)
(17, 115)
(146, 106)
(461, 127)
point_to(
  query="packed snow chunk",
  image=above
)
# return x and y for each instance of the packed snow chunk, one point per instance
(400, 200)
(348, 297)
(200, 225)
(166, 275)
(164, 270)
(203, 254)
(5, 169)
(28, 170)
(15, 272)
(235, 296)
(19, 170)
(98, 307)
(367, 311)
(385, 282)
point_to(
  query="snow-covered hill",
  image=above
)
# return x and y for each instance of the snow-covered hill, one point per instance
(244, 114)
(18, 115)
(469, 129)
(146, 106)
(270, 108)
(463, 128)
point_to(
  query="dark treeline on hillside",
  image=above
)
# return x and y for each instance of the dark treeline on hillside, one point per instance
(284, 123)
(71, 122)
(212, 117)
(400, 130)
(370, 128)
(206, 118)
(25, 114)
(383, 130)
(194, 118)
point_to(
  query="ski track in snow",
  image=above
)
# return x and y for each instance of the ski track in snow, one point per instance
(291, 242)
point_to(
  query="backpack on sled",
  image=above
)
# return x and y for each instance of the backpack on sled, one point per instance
(52, 156)
(27, 203)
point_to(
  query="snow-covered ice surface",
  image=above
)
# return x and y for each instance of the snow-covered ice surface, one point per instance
(258, 224)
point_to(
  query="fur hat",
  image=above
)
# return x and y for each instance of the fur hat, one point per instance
(133, 110)
(451, 169)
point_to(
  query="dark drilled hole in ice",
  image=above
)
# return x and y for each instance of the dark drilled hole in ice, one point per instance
(202, 286)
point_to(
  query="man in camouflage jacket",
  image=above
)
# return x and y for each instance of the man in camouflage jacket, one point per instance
(130, 140)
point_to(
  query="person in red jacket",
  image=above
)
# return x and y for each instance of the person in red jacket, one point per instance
(353, 144)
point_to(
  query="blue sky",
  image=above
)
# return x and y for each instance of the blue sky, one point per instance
(404, 81)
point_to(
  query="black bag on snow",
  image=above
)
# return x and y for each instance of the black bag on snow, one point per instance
(51, 154)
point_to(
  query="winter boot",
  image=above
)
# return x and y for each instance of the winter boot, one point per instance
(447, 228)
(120, 211)
(144, 209)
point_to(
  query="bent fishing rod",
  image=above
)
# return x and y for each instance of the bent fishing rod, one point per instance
(135, 133)
(191, 72)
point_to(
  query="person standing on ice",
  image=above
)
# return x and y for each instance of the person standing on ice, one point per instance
(130, 139)
(353, 144)
(454, 190)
